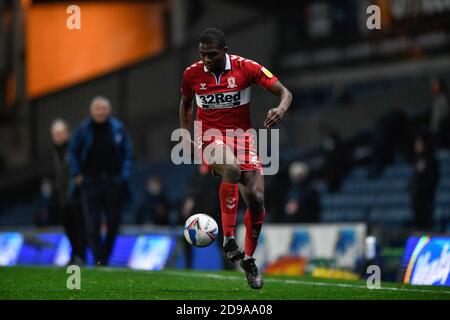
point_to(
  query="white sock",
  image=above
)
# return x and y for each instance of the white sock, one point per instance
(248, 257)
(226, 239)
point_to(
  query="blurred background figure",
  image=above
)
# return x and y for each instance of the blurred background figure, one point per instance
(440, 114)
(201, 197)
(100, 160)
(342, 96)
(424, 182)
(391, 136)
(68, 207)
(154, 207)
(303, 202)
(335, 161)
(46, 214)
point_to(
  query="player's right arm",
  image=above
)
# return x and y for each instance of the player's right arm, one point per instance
(186, 108)
(185, 112)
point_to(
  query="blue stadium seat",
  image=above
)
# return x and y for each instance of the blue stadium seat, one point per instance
(384, 200)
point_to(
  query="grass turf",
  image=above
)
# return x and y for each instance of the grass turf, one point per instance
(109, 283)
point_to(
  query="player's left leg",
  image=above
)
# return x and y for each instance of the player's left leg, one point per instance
(252, 191)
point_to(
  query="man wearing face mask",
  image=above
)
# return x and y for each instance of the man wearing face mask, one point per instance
(100, 161)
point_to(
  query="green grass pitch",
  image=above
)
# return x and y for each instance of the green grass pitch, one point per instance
(112, 283)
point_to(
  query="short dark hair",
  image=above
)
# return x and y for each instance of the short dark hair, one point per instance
(213, 35)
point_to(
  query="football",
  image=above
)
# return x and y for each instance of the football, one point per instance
(200, 230)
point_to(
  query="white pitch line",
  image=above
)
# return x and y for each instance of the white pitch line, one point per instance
(300, 282)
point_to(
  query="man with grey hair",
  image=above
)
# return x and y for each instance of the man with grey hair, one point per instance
(100, 161)
(68, 208)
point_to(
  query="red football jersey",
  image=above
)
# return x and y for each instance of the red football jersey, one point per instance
(223, 102)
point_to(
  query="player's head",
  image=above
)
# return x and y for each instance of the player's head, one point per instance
(212, 48)
(100, 109)
(60, 132)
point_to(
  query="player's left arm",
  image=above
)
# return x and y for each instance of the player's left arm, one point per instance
(275, 115)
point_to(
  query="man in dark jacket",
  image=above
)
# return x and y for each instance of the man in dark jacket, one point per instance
(100, 161)
(69, 209)
(154, 207)
(303, 201)
(440, 114)
(201, 197)
(424, 182)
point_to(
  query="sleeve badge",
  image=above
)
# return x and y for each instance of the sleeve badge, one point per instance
(267, 72)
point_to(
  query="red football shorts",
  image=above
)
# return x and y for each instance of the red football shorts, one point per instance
(242, 145)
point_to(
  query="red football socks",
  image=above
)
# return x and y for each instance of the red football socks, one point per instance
(253, 224)
(229, 197)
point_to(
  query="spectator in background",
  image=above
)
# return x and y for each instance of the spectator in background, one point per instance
(100, 161)
(391, 135)
(68, 208)
(201, 197)
(278, 186)
(46, 214)
(2, 164)
(342, 96)
(440, 114)
(154, 207)
(424, 182)
(303, 203)
(335, 161)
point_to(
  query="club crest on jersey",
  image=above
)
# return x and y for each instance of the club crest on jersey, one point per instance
(231, 83)
(202, 86)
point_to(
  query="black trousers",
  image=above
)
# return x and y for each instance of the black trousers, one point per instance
(102, 196)
(73, 222)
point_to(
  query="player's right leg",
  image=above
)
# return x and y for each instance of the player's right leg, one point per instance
(227, 167)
